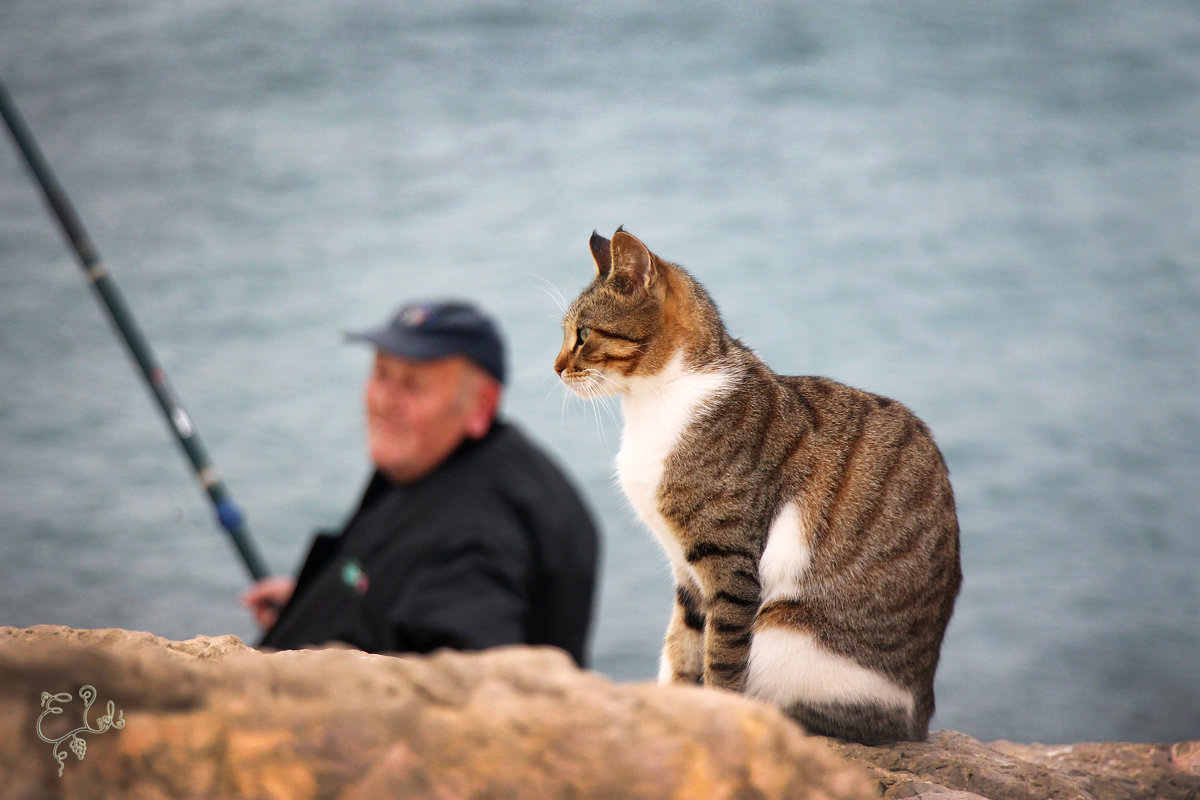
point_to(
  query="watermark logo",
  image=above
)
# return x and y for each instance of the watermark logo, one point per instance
(74, 740)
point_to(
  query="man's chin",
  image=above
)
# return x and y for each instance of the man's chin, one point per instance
(391, 459)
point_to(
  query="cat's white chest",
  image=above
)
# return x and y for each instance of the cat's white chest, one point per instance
(657, 412)
(641, 461)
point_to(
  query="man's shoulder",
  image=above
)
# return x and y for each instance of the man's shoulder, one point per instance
(506, 435)
(531, 480)
(512, 457)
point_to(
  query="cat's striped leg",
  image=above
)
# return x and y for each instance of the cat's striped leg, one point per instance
(683, 650)
(731, 601)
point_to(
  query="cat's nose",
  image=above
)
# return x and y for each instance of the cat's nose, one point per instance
(560, 364)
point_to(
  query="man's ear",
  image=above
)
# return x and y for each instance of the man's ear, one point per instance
(485, 402)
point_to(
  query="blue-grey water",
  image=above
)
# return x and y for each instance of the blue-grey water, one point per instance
(988, 210)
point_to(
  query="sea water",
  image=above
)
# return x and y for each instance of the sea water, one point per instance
(987, 210)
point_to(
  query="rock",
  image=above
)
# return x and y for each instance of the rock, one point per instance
(212, 718)
(1114, 771)
(953, 766)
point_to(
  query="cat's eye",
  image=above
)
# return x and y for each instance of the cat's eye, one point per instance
(581, 335)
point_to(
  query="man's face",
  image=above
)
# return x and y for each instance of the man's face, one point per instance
(418, 412)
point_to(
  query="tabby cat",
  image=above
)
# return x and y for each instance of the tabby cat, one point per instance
(810, 526)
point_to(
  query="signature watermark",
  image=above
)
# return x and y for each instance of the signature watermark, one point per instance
(74, 740)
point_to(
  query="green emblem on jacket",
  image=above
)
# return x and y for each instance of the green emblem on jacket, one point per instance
(354, 576)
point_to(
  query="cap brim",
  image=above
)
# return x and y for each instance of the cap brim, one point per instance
(418, 347)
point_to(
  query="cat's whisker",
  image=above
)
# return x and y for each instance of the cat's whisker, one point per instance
(597, 381)
(602, 389)
(605, 401)
(591, 401)
(614, 389)
(591, 389)
(562, 407)
(597, 422)
(614, 412)
(556, 386)
(589, 392)
(548, 378)
(554, 293)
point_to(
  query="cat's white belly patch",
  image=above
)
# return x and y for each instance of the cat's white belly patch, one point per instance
(787, 666)
(786, 557)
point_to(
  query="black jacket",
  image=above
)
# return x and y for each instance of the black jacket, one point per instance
(494, 547)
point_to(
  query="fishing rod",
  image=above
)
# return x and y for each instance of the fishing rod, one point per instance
(101, 280)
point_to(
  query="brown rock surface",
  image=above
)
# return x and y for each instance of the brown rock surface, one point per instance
(212, 718)
(953, 766)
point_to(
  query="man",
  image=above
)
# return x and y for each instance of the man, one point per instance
(467, 535)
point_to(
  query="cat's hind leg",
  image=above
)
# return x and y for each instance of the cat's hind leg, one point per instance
(830, 694)
(865, 723)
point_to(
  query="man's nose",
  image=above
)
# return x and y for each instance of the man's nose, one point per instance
(386, 398)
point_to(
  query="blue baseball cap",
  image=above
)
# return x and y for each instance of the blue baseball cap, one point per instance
(441, 329)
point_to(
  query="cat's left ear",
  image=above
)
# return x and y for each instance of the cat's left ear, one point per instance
(601, 254)
(632, 264)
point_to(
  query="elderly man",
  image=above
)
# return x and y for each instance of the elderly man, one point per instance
(467, 535)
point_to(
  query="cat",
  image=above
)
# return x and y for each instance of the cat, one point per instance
(810, 526)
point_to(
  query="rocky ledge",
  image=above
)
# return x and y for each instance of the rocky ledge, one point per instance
(210, 717)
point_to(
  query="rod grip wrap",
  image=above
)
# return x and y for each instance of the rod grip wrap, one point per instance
(230, 516)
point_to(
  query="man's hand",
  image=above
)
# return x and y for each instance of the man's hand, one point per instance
(267, 598)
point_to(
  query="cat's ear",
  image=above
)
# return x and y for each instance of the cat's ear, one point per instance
(601, 254)
(632, 264)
